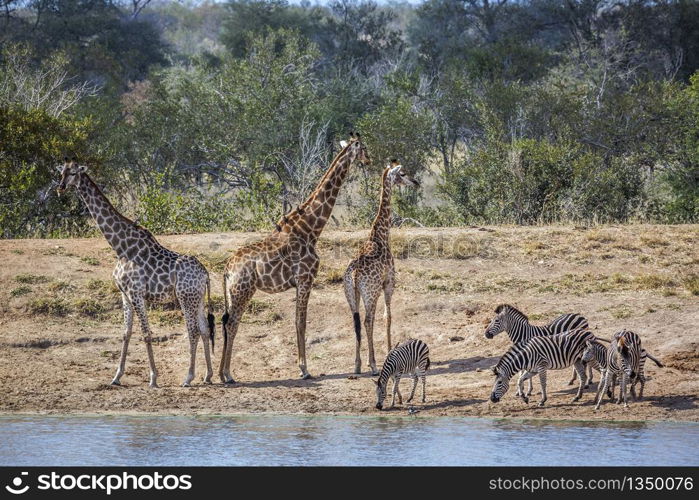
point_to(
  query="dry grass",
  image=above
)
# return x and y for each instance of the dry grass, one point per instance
(49, 306)
(31, 279)
(691, 283)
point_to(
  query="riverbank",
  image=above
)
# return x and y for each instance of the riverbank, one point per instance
(60, 322)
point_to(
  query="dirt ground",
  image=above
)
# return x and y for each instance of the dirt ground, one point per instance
(61, 326)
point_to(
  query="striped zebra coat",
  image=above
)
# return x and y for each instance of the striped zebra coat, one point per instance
(411, 357)
(626, 348)
(513, 321)
(600, 353)
(554, 352)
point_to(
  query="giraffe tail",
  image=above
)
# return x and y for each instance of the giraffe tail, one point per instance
(352, 300)
(210, 314)
(224, 318)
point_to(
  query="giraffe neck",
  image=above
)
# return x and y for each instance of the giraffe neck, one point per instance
(381, 226)
(315, 211)
(122, 234)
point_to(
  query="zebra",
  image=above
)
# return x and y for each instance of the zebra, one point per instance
(627, 346)
(513, 321)
(410, 357)
(553, 352)
(608, 361)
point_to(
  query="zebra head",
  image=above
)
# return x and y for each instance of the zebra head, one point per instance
(499, 322)
(589, 353)
(628, 347)
(380, 394)
(502, 383)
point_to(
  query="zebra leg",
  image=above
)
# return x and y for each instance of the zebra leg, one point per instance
(598, 394)
(633, 383)
(642, 380)
(575, 376)
(589, 377)
(412, 393)
(622, 394)
(397, 389)
(531, 386)
(612, 387)
(602, 388)
(542, 380)
(520, 384)
(424, 377)
(580, 368)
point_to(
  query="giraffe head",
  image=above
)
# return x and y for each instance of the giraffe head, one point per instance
(356, 148)
(395, 175)
(71, 174)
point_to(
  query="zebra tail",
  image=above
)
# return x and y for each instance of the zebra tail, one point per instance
(427, 366)
(603, 340)
(654, 360)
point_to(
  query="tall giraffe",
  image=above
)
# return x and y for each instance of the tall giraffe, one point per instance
(373, 270)
(147, 272)
(286, 258)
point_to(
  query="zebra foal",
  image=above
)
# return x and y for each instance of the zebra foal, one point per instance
(612, 369)
(410, 357)
(554, 352)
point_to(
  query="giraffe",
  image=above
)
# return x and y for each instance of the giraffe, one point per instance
(286, 258)
(146, 272)
(373, 270)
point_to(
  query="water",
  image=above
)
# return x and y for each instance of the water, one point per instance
(303, 440)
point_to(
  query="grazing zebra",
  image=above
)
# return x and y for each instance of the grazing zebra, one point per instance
(611, 369)
(513, 321)
(410, 357)
(553, 352)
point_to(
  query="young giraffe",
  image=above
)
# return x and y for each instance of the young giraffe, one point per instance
(147, 272)
(286, 258)
(372, 270)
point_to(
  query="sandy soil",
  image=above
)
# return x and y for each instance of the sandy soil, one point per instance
(61, 323)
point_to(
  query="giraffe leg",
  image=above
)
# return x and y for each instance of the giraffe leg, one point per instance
(303, 292)
(128, 328)
(352, 296)
(387, 294)
(370, 311)
(190, 318)
(240, 296)
(140, 307)
(204, 332)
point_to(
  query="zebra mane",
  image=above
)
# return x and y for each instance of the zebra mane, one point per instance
(512, 353)
(512, 310)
